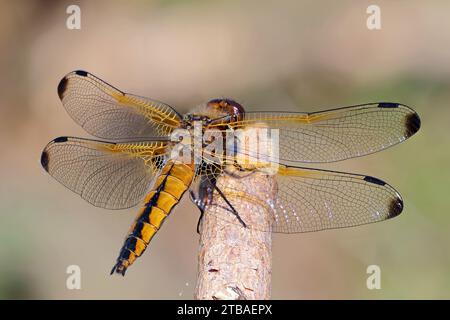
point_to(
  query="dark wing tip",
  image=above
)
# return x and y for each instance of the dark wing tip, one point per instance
(62, 87)
(412, 124)
(60, 139)
(44, 160)
(45, 156)
(395, 207)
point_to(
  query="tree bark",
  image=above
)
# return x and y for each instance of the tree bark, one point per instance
(234, 262)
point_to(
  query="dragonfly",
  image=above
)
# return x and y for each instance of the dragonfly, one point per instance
(132, 160)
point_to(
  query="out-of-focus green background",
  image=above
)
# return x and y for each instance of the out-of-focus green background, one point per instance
(281, 55)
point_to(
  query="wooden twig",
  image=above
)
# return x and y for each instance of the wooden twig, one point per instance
(236, 262)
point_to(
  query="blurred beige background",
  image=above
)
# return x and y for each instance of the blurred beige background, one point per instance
(281, 55)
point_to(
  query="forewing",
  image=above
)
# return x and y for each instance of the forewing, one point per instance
(108, 175)
(333, 135)
(108, 113)
(311, 200)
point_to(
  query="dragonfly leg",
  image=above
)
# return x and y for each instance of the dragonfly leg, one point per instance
(231, 207)
(200, 205)
(202, 212)
(205, 197)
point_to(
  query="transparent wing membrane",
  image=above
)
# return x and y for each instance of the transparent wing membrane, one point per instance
(108, 113)
(310, 200)
(108, 175)
(334, 135)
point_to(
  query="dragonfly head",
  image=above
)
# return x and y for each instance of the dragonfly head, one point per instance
(227, 107)
(226, 110)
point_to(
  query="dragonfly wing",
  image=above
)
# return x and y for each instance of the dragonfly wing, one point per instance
(311, 200)
(108, 113)
(108, 175)
(336, 134)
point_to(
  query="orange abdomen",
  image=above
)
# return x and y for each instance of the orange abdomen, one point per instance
(169, 187)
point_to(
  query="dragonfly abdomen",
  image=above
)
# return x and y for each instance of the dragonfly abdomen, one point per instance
(169, 187)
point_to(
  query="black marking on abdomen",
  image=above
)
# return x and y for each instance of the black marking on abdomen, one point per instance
(388, 105)
(412, 124)
(374, 180)
(152, 202)
(145, 215)
(138, 228)
(130, 242)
